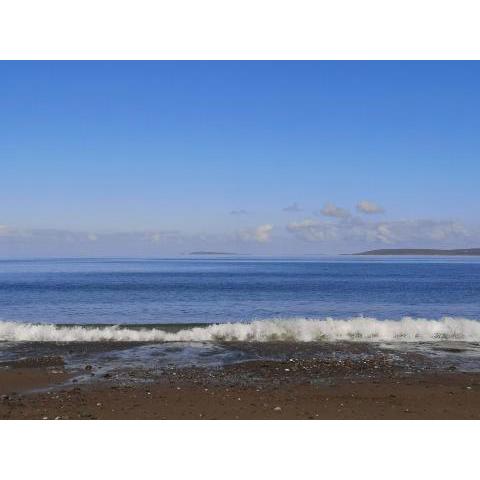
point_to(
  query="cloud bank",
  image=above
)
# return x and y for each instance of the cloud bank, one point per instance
(335, 231)
(357, 231)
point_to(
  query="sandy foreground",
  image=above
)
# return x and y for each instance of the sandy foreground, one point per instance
(293, 388)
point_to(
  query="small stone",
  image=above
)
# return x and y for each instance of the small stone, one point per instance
(469, 388)
(99, 404)
(45, 418)
(88, 367)
(277, 409)
(287, 369)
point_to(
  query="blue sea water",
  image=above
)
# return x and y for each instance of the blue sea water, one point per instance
(236, 289)
(149, 313)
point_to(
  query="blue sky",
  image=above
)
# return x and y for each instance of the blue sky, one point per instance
(159, 158)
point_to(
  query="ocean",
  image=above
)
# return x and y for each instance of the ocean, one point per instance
(219, 290)
(144, 312)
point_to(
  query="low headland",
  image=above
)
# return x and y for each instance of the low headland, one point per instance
(422, 251)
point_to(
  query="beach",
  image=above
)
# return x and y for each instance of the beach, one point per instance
(246, 338)
(309, 381)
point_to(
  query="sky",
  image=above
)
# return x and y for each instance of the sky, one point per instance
(268, 158)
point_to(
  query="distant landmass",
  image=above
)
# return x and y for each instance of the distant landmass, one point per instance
(201, 252)
(421, 251)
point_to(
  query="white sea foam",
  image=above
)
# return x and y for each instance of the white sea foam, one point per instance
(295, 329)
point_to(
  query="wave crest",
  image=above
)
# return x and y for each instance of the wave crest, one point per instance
(362, 329)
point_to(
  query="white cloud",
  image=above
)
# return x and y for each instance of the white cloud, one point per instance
(294, 207)
(356, 230)
(368, 207)
(331, 210)
(261, 234)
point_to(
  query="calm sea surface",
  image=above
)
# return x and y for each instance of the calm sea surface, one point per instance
(192, 290)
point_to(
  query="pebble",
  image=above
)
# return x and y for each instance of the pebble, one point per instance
(278, 409)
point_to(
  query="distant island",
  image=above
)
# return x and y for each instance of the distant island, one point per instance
(421, 251)
(212, 253)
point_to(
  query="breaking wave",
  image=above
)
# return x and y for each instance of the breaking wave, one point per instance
(363, 329)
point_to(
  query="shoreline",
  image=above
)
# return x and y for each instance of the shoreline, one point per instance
(303, 384)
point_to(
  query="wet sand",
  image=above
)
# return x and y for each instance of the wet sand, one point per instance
(300, 387)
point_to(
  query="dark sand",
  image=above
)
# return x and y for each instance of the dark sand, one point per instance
(301, 387)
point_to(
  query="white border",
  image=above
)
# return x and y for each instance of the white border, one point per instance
(239, 450)
(246, 29)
